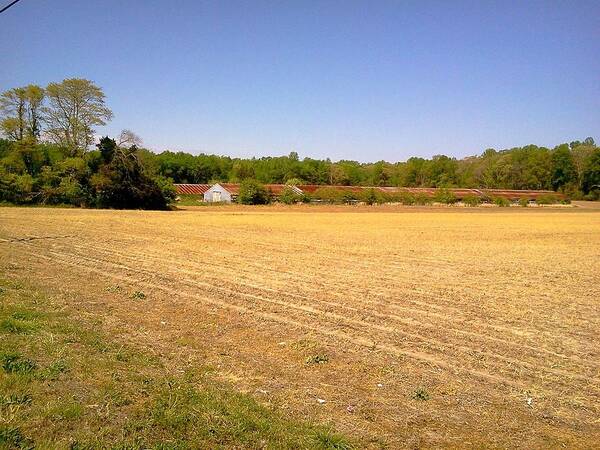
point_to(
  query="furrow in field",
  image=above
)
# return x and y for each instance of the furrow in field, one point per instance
(357, 340)
(504, 364)
(453, 284)
(386, 302)
(362, 259)
(579, 359)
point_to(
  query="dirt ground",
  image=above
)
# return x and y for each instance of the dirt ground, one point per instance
(412, 327)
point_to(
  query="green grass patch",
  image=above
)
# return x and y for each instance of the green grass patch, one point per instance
(15, 399)
(420, 394)
(189, 200)
(12, 437)
(16, 363)
(66, 384)
(137, 295)
(317, 359)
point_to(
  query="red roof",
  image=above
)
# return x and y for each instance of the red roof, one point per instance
(512, 194)
(197, 189)
(274, 189)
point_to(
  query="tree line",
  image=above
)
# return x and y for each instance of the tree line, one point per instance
(572, 168)
(48, 156)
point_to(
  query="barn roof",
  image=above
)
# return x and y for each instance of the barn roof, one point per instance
(513, 194)
(197, 189)
(274, 189)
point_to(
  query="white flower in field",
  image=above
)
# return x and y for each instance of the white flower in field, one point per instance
(379, 385)
(529, 401)
(321, 401)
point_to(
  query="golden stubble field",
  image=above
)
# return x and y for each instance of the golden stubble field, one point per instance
(439, 327)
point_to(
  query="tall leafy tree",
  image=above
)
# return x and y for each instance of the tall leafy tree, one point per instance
(564, 171)
(13, 108)
(75, 107)
(591, 175)
(34, 96)
(20, 108)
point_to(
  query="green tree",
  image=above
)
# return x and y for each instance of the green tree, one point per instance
(591, 174)
(253, 193)
(75, 106)
(123, 182)
(34, 96)
(107, 147)
(370, 196)
(20, 109)
(13, 109)
(563, 167)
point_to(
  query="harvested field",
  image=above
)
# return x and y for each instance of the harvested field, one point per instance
(417, 327)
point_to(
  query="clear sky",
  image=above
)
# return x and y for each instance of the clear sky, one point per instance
(364, 80)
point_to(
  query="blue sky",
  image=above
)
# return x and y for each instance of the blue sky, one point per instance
(364, 80)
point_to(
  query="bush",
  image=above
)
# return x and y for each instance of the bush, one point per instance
(330, 195)
(423, 199)
(253, 193)
(471, 200)
(406, 198)
(445, 196)
(501, 201)
(524, 202)
(15, 188)
(371, 196)
(166, 187)
(289, 196)
(547, 199)
(349, 197)
(305, 198)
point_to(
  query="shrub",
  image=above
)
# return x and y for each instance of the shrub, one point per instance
(501, 201)
(369, 196)
(349, 197)
(524, 202)
(253, 193)
(423, 199)
(329, 194)
(406, 198)
(166, 187)
(305, 198)
(547, 199)
(289, 196)
(445, 196)
(471, 200)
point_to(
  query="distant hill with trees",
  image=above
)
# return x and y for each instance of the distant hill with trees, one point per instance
(48, 157)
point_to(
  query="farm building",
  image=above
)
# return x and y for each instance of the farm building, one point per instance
(228, 192)
(191, 189)
(459, 193)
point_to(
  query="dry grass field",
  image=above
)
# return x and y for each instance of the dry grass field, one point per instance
(399, 327)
